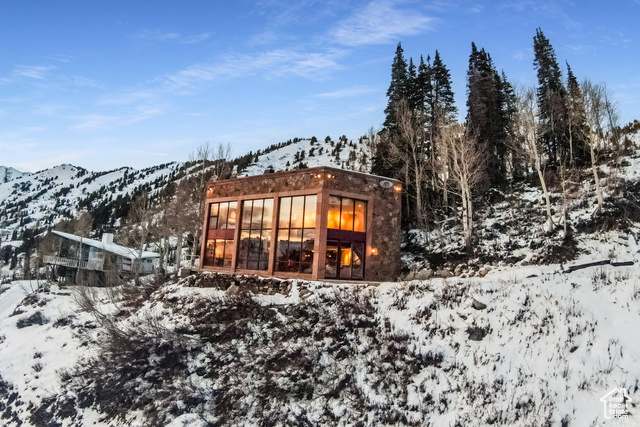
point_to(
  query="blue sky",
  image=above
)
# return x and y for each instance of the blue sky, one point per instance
(104, 84)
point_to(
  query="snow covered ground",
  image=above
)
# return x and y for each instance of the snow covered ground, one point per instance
(547, 347)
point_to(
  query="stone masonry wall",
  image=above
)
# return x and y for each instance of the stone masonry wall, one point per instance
(384, 203)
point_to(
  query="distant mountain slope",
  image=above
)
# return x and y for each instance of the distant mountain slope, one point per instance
(48, 196)
(7, 174)
(42, 199)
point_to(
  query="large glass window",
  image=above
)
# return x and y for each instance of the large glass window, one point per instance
(347, 214)
(218, 253)
(255, 234)
(222, 216)
(222, 222)
(296, 234)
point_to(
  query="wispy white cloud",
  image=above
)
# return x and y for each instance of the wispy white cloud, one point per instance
(161, 36)
(347, 93)
(143, 112)
(82, 81)
(156, 35)
(195, 39)
(127, 98)
(59, 58)
(34, 71)
(94, 121)
(134, 114)
(381, 21)
(584, 48)
(277, 62)
(282, 13)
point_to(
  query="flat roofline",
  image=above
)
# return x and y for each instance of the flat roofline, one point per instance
(310, 171)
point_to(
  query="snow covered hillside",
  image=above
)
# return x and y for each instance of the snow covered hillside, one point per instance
(46, 197)
(527, 346)
(40, 200)
(7, 174)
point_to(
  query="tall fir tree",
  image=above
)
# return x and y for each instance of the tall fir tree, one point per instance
(441, 102)
(577, 128)
(490, 106)
(551, 95)
(399, 87)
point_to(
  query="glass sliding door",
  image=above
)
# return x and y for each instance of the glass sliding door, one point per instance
(346, 237)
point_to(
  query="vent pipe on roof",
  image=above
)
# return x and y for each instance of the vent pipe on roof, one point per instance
(107, 238)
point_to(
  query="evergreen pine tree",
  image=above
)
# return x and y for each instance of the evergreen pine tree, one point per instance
(442, 102)
(551, 99)
(398, 90)
(483, 111)
(577, 129)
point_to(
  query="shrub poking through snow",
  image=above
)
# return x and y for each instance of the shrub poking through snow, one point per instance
(36, 318)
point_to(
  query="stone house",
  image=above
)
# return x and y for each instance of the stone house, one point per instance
(318, 223)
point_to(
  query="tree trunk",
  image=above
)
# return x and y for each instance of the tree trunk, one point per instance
(179, 251)
(596, 178)
(549, 224)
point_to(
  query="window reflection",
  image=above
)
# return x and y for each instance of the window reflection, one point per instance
(296, 234)
(347, 214)
(218, 247)
(333, 220)
(255, 235)
(218, 252)
(359, 219)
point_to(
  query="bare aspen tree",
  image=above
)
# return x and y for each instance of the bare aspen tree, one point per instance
(570, 183)
(368, 149)
(466, 157)
(527, 131)
(613, 124)
(209, 162)
(594, 102)
(139, 224)
(411, 150)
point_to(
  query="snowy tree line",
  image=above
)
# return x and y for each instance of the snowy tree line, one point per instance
(509, 134)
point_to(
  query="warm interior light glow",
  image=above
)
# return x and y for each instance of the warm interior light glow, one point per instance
(374, 251)
(346, 257)
(333, 221)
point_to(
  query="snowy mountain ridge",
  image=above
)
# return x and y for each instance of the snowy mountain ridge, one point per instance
(42, 199)
(8, 173)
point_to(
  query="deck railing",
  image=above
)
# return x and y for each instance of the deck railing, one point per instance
(68, 262)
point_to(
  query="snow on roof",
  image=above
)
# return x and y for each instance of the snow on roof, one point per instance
(109, 247)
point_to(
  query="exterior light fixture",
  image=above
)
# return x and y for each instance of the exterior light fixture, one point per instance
(398, 188)
(318, 175)
(374, 251)
(329, 176)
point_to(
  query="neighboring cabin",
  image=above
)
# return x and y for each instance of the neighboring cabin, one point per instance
(76, 253)
(318, 223)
